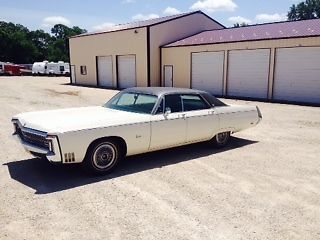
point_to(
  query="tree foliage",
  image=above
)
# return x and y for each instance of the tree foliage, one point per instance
(237, 25)
(20, 45)
(309, 9)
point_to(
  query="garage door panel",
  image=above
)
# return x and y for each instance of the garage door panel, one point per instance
(248, 73)
(105, 76)
(297, 74)
(126, 71)
(207, 71)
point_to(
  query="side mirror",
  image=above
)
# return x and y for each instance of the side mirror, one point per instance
(167, 111)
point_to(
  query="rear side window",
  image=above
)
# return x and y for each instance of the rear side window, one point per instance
(213, 101)
(173, 102)
(193, 102)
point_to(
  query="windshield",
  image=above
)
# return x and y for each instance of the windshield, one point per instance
(132, 102)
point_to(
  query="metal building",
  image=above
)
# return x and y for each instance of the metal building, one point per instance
(276, 61)
(128, 55)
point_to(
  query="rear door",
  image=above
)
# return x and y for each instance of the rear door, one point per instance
(202, 120)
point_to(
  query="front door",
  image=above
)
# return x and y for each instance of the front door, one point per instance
(168, 130)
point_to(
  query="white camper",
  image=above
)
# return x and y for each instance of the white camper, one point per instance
(59, 68)
(40, 68)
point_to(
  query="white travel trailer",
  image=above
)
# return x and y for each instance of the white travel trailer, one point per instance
(59, 68)
(40, 68)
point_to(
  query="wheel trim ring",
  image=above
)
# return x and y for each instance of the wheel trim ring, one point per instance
(104, 153)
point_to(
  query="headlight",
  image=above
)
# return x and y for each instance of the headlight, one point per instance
(50, 139)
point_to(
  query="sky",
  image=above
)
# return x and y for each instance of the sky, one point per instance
(98, 14)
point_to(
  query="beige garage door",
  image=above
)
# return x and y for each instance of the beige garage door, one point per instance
(126, 71)
(248, 73)
(207, 72)
(297, 74)
(104, 65)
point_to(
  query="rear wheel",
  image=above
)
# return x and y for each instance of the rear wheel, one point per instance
(103, 157)
(221, 139)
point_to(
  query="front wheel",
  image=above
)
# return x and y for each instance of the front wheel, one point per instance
(221, 139)
(102, 157)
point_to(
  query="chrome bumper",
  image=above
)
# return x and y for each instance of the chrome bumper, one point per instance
(51, 156)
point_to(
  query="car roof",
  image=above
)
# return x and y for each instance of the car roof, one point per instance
(159, 91)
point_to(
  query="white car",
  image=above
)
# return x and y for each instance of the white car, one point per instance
(135, 121)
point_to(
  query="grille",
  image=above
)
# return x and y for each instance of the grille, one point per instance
(32, 136)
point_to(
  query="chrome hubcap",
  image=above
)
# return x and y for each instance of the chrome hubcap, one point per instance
(222, 137)
(104, 156)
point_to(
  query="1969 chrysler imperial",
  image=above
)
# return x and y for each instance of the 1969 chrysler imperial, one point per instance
(136, 120)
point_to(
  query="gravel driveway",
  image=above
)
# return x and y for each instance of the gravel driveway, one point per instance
(264, 185)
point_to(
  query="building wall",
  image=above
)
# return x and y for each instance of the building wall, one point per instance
(180, 57)
(83, 52)
(171, 31)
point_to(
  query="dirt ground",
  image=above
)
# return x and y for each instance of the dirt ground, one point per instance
(264, 185)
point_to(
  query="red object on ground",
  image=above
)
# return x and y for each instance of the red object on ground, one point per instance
(12, 69)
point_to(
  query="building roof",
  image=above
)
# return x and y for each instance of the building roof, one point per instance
(146, 23)
(280, 30)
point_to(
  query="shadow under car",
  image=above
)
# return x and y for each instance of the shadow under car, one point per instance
(45, 178)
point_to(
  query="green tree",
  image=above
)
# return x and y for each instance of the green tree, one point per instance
(19, 45)
(309, 9)
(237, 25)
(59, 49)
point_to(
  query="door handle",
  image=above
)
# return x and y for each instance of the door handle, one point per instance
(211, 112)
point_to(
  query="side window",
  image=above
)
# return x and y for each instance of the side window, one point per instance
(173, 102)
(160, 108)
(193, 102)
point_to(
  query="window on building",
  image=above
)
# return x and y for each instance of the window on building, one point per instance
(83, 70)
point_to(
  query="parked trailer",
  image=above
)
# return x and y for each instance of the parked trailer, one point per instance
(58, 69)
(51, 68)
(40, 68)
(12, 69)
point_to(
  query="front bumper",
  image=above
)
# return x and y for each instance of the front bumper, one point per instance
(53, 153)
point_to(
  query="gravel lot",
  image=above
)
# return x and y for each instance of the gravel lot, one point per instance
(265, 185)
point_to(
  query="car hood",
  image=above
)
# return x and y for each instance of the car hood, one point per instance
(75, 119)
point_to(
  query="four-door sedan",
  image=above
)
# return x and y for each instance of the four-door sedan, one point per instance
(136, 120)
